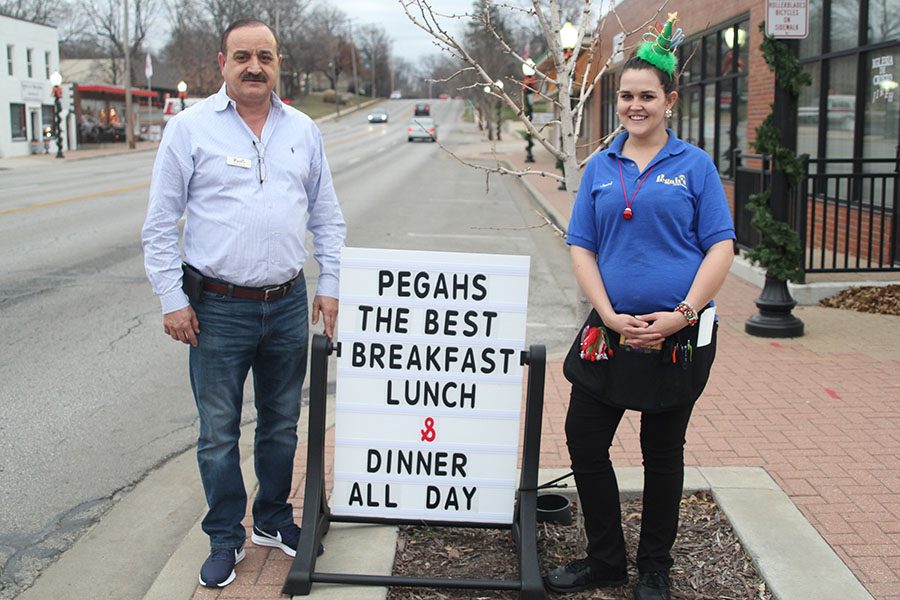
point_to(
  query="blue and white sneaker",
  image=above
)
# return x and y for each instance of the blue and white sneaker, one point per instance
(284, 538)
(218, 570)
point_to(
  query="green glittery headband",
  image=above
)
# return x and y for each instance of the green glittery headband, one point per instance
(659, 45)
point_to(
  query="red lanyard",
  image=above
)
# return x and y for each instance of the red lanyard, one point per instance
(627, 213)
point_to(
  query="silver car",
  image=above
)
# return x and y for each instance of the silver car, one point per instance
(378, 115)
(421, 128)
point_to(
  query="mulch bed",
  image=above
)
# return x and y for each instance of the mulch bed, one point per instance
(710, 562)
(884, 300)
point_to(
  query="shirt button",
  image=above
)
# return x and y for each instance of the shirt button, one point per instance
(270, 205)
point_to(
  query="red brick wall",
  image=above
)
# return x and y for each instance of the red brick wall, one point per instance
(860, 233)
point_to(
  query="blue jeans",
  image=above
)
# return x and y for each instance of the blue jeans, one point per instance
(235, 336)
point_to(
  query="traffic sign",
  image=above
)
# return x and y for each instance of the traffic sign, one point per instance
(787, 19)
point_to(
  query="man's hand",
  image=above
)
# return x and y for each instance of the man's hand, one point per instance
(328, 307)
(182, 325)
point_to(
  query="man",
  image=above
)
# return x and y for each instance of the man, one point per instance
(250, 174)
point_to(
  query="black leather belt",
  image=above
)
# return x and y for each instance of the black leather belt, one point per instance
(265, 294)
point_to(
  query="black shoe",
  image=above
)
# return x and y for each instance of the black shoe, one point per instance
(652, 586)
(580, 575)
(218, 570)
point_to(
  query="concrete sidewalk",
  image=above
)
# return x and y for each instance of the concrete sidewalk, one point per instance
(819, 414)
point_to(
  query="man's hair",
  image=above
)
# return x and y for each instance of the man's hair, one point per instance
(246, 23)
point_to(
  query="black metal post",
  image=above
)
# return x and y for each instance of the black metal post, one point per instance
(525, 525)
(57, 107)
(775, 303)
(316, 514)
(499, 118)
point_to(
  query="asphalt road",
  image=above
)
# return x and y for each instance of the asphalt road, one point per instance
(95, 396)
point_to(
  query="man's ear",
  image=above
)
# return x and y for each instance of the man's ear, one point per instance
(280, 58)
(221, 58)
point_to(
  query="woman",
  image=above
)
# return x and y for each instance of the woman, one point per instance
(651, 238)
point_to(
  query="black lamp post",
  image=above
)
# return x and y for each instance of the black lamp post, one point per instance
(56, 82)
(528, 82)
(182, 92)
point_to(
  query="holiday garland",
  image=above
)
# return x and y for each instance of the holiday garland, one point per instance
(779, 249)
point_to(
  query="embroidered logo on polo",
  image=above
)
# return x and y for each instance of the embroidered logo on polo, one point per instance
(605, 185)
(679, 180)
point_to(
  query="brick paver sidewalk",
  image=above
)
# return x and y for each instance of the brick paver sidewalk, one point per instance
(821, 413)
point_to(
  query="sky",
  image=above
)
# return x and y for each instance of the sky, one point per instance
(410, 42)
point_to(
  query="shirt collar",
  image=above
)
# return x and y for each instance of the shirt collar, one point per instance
(222, 100)
(673, 145)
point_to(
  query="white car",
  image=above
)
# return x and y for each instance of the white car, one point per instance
(421, 128)
(396, 95)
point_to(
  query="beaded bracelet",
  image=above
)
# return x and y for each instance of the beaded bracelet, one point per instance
(688, 312)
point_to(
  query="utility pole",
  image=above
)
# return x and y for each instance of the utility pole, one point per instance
(353, 62)
(278, 84)
(129, 117)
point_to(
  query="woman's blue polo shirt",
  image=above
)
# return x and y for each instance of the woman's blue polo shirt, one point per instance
(648, 263)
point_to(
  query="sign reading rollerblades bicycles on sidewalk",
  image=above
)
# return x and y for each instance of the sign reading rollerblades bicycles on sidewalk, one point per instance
(429, 385)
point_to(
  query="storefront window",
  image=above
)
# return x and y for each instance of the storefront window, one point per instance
(844, 24)
(840, 107)
(884, 21)
(709, 56)
(17, 122)
(811, 45)
(719, 96)
(882, 119)
(709, 117)
(808, 112)
(49, 123)
(741, 129)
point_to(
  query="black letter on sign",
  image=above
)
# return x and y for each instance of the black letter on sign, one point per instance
(432, 497)
(374, 463)
(355, 495)
(385, 280)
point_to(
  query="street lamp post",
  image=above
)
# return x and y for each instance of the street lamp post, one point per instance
(528, 82)
(56, 82)
(182, 92)
(568, 38)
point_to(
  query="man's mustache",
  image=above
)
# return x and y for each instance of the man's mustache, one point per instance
(253, 77)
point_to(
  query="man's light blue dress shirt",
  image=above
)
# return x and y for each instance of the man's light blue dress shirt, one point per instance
(238, 228)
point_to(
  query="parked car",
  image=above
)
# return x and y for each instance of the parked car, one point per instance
(444, 97)
(378, 115)
(422, 109)
(421, 128)
(396, 95)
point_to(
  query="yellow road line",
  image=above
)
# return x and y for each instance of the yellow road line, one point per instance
(36, 206)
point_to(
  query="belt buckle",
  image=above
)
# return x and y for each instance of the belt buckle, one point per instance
(271, 290)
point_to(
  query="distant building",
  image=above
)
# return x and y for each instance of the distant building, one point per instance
(31, 54)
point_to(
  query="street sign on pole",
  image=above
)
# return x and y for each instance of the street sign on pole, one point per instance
(787, 18)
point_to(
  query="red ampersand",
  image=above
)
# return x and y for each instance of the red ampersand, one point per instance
(428, 434)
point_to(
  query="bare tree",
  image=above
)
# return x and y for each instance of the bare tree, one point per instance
(560, 83)
(374, 45)
(105, 23)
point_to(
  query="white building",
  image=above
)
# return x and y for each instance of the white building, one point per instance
(30, 53)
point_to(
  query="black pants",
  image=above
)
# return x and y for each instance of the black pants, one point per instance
(590, 427)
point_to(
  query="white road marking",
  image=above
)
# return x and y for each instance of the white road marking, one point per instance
(464, 236)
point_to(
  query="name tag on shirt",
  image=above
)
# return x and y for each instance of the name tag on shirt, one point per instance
(234, 161)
